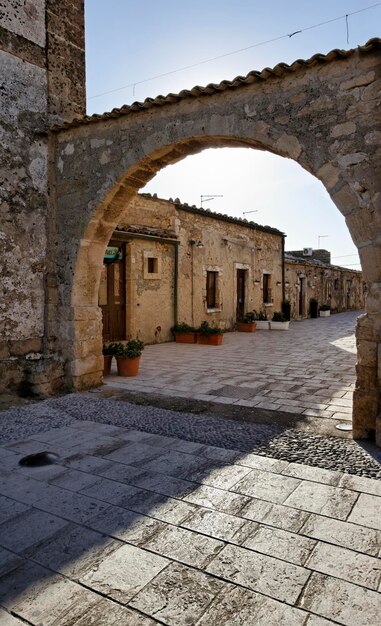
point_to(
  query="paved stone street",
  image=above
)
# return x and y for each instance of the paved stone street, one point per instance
(308, 370)
(139, 529)
(152, 516)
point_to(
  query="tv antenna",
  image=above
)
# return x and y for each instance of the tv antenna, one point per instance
(208, 197)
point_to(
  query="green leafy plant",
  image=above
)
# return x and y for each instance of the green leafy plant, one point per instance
(260, 316)
(131, 350)
(182, 327)
(249, 317)
(279, 316)
(206, 330)
(325, 307)
(110, 349)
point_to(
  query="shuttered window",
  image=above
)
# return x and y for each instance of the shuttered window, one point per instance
(211, 289)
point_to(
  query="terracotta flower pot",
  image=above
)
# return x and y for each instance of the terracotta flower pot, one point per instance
(128, 367)
(185, 338)
(107, 360)
(209, 340)
(246, 327)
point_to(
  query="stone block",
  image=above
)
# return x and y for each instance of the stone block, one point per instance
(39, 596)
(217, 499)
(283, 545)
(25, 19)
(370, 256)
(237, 606)
(267, 486)
(367, 511)
(360, 223)
(185, 546)
(24, 346)
(358, 81)
(329, 175)
(214, 524)
(351, 536)
(344, 564)
(345, 200)
(365, 410)
(323, 499)
(367, 353)
(4, 350)
(348, 128)
(90, 365)
(124, 573)
(272, 577)
(341, 601)
(179, 595)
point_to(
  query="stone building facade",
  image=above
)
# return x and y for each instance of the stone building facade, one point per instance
(172, 255)
(69, 178)
(308, 278)
(204, 266)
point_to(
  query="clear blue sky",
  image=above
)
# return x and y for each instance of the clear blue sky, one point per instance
(128, 42)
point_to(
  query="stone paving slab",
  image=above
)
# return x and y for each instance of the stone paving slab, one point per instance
(307, 371)
(244, 539)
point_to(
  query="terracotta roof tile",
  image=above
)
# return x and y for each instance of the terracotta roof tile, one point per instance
(216, 216)
(141, 229)
(254, 76)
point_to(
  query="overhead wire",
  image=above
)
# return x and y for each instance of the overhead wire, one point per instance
(227, 54)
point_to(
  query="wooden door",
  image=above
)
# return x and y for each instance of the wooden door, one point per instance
(112, 300)
(301, 297)
(241, 274)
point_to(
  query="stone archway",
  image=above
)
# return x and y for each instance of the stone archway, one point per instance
(322, 113)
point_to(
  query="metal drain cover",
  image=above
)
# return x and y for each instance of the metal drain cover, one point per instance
(39, 459)
(344, 426)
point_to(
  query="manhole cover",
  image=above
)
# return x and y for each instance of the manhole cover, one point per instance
(39, 458)
(344, 426)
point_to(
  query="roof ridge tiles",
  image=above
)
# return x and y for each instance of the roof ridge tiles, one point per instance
(183, 206)
(278, 70)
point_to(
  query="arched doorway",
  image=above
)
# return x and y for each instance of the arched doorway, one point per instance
(312, 113)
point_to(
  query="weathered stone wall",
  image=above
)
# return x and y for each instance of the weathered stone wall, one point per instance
(35, 56)
(150, 298)
(341, 288)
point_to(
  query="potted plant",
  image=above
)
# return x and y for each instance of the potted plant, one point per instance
(108, 352)
(247, 324)
(209, 335)
(184, 333)
(325, 310)
(128, 357)
(261, 321)
(279, 321)
(313, 308)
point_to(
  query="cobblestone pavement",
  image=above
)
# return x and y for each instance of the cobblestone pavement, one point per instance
(308, 370)
(131, 528)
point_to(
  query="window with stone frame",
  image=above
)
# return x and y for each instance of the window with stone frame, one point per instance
(267, 290)
(211, 290)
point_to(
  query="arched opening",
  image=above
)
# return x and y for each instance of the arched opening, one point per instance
(102, 165)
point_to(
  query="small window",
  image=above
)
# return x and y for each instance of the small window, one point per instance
(336, 284)
(152, 265)
(267, 295)
(211, 289)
